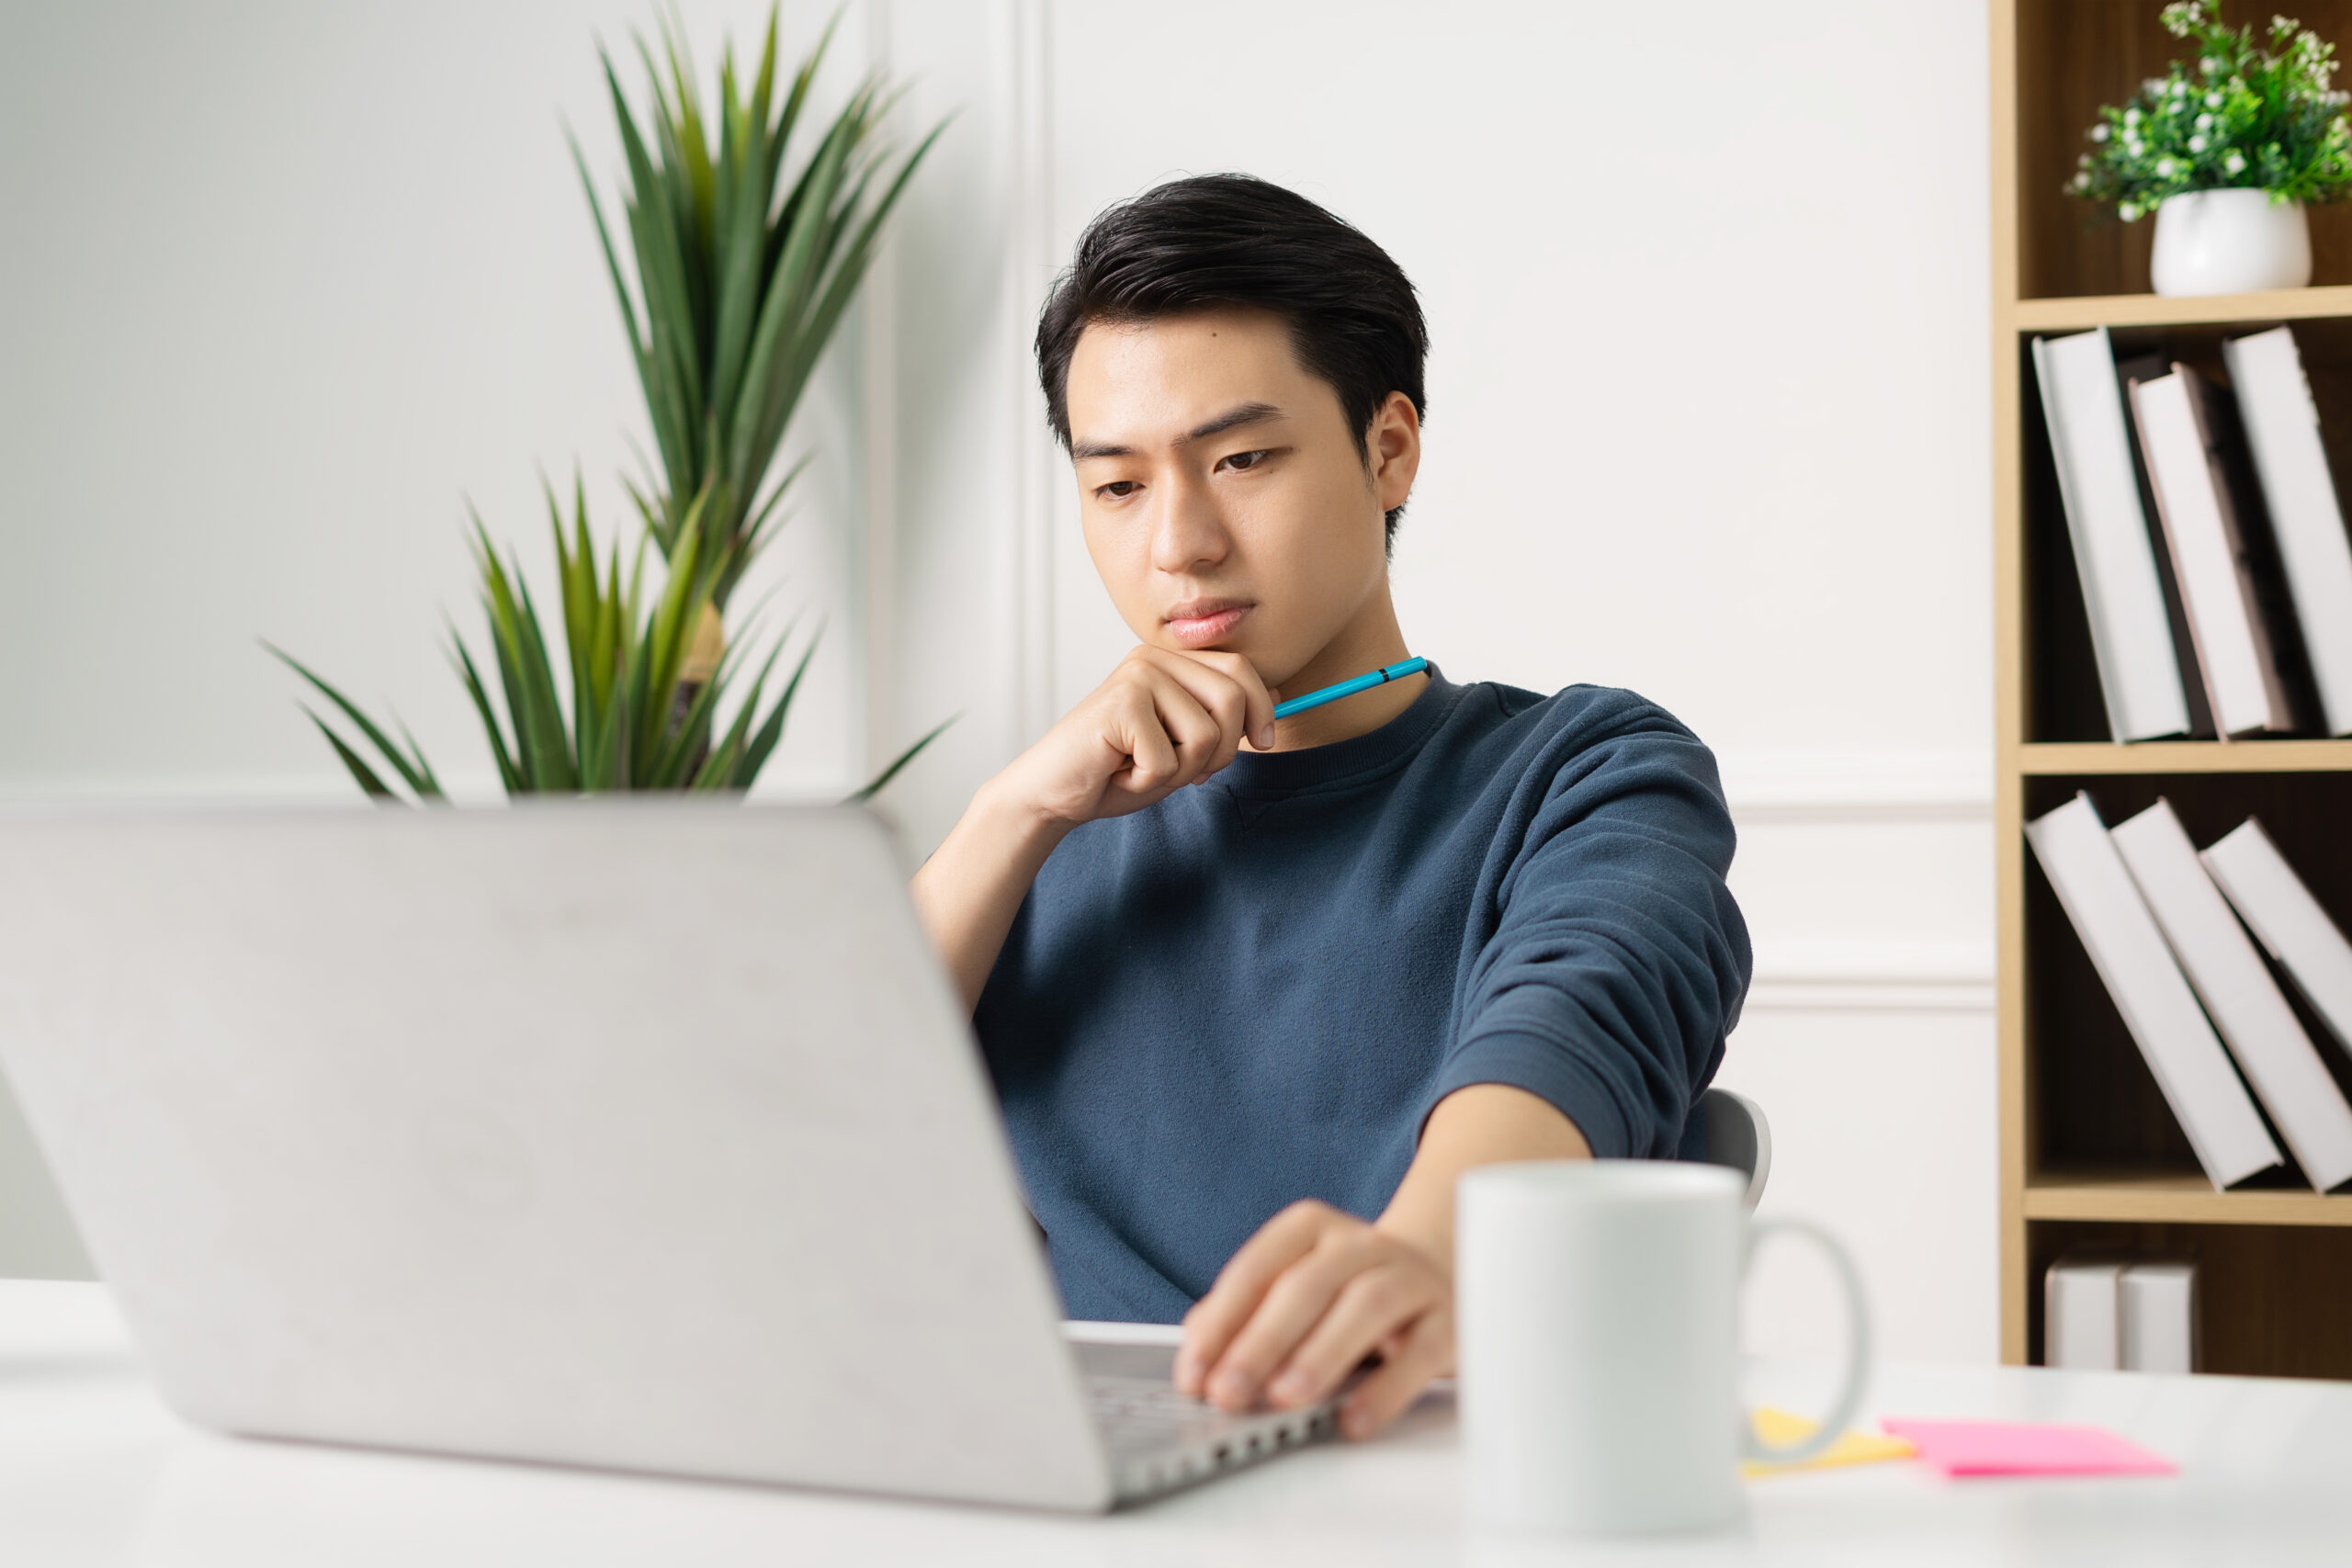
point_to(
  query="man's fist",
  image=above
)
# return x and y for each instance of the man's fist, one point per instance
(1163, 720)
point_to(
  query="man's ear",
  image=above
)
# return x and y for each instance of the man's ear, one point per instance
(1394, 445)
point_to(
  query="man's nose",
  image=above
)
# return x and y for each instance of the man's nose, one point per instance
(1188, 531)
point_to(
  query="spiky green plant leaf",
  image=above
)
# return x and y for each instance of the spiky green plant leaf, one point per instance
(615, 721)
(898, 762)
(414, 771)
(736, 279)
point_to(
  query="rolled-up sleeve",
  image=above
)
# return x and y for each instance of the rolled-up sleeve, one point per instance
(1617, 958)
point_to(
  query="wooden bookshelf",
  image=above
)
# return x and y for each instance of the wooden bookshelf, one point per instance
(2133, 1199)
(2089, 1154)
(2073, 315)
(2186, 757)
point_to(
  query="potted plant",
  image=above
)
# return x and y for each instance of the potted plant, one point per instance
(741, 278)
(639, 714)
(2226, 149)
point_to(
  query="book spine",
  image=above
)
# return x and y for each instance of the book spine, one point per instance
(2145, 983)
(2081, 1316)
(2290, 458)
(2131, 642)
(2155, 423)
(2195, 683)
(2246, 1005)
(2264, 604)
(2156, 1323)
(2288, 921)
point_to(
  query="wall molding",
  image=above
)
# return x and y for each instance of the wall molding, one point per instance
(1835, 785)
(1872, 974)
(1765, 995)
(1029, 271)
(874, 562)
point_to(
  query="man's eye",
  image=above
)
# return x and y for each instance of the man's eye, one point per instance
(1118, 490)
(1242, 461)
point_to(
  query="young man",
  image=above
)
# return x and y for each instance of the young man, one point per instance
(1256, 992)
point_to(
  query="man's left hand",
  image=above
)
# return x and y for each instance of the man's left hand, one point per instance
(1303, 1302)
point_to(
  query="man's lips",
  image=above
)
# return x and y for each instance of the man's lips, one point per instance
(1200, 621)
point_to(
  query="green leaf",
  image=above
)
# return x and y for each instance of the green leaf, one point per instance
(510, 776)
(898, 762)
(550, 737)
(542, 747)
(741, 284)
(792, 284)
(375, 787)
(755, 754)
(686, 738)
(661, 276)
(826, 314)
(417, 778)
(611, 263)
(432, 790)
(718, 770)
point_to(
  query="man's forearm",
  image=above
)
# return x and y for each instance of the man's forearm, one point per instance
(1485, 1124)
(970, 889)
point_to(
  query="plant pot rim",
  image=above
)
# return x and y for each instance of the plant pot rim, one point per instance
(2227, 190)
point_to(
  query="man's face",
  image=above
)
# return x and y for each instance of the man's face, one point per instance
(1227, 502)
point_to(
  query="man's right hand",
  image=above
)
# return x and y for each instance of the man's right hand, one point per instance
(1163, 720)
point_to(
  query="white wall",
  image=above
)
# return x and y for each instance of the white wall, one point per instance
(1709, 406)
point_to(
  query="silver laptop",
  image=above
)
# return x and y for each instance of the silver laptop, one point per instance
(646, 1136)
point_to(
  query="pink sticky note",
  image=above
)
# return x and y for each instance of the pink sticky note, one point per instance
(2012, 1448)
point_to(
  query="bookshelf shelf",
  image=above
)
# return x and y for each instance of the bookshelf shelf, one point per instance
(2082, 314)
(2092, 757)
(2090, 1155)
(2187, 1200)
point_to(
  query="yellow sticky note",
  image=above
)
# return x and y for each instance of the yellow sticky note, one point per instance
(1780, 1428)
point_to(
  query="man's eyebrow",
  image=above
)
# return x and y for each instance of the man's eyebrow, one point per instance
(1232, 419)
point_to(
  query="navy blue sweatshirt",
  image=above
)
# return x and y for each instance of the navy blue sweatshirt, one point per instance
(1257, 991)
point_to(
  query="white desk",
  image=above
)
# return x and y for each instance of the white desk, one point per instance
(93, 1470)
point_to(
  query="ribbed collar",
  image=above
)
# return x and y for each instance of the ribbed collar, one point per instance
(1343, 761)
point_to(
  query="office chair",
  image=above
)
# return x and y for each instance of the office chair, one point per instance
(1738, 1136)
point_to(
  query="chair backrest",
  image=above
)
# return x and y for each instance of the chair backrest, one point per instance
(1738, 1136)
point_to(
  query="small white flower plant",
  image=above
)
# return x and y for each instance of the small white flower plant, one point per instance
(2240, 114)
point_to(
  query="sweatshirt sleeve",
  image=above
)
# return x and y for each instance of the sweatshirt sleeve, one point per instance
(1618, 959)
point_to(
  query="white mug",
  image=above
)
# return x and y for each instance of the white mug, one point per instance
(1598, 1306)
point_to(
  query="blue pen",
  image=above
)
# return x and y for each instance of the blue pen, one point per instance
(1350, 687)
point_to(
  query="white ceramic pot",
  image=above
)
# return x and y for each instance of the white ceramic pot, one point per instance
(2230, 242)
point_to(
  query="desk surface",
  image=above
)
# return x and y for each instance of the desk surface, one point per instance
(93, 1470)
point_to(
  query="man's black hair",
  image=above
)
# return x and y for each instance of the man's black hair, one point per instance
(1233, 240)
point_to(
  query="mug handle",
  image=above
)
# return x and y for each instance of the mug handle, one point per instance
(1857, 1348)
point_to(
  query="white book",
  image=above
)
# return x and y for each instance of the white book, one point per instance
(2282, 430)
(2131, 643)
(2082, 1316)
(2245, 1003)
(2288, 921)
(2201, 533)
(2157, 1317)
(2149, 990)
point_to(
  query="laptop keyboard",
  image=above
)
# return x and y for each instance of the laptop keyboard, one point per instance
(1152, 1412)
(1159, 1438)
